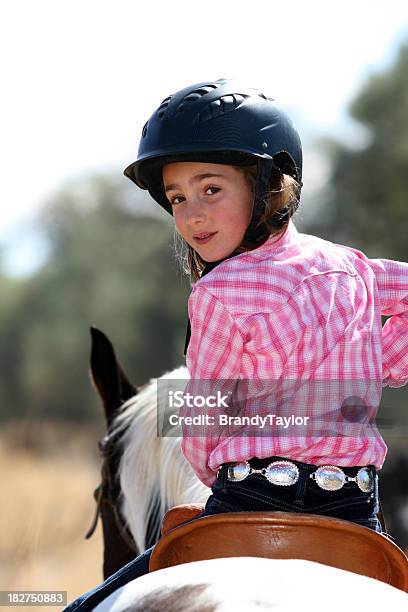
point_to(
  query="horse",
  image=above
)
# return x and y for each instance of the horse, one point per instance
(143, 475)
(252, 584)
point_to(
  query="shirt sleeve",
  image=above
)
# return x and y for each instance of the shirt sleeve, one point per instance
(214, 354)
(392, 282)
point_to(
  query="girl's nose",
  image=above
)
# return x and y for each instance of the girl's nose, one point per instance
(195, 211)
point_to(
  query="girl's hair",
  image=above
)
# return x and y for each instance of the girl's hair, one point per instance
(281, 202)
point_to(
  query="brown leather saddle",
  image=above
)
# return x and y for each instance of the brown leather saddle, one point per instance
(278, 535)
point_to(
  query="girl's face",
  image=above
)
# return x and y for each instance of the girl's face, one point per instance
(212, 206)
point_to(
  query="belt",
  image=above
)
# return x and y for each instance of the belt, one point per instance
(286, 473)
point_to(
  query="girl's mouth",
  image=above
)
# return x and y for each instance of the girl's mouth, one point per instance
(204, 237)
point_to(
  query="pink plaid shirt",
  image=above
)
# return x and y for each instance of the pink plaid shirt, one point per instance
(299, 311)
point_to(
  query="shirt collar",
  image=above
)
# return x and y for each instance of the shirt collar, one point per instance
(271, 245)
(289, 236)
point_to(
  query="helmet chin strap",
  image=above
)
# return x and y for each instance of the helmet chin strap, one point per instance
(256, 232)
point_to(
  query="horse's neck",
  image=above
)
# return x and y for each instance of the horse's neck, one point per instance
(153, 471)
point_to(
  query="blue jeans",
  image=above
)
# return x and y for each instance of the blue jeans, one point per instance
(257, 494)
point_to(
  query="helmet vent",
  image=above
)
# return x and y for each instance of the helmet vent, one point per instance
(144, 131)
(222, 105)
(192, 97)
(195, 95)
(201, 91)
(163, 106)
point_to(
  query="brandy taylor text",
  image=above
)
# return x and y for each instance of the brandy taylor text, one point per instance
(268, 420)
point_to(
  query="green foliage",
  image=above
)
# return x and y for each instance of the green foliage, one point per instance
(108, 267)
(367, 202)
(12, 295)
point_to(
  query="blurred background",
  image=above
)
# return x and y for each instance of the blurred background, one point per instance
(80, 245)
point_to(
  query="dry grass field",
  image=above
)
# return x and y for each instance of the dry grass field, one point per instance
(48, 475)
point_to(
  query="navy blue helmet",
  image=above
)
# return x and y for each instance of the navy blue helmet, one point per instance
(223, 122)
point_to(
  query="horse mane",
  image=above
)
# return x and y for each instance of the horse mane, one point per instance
(154, 475)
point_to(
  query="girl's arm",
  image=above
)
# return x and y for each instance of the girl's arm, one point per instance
(392, 282)
(214, 354)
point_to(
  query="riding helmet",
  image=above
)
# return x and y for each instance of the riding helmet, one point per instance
(225, 122)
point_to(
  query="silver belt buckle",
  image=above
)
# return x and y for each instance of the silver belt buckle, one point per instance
(239, 471)
(280, 473)
(365, 480)
(329, 477)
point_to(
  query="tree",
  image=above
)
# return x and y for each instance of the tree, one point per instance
(367, 202)
(108, 267)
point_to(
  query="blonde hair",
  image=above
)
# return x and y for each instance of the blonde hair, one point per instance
(281, 202)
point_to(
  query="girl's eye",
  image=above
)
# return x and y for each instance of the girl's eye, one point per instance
(173, 201)
(176, 199)
(215, 189)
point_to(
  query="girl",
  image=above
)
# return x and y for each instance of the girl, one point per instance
(286, 325)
